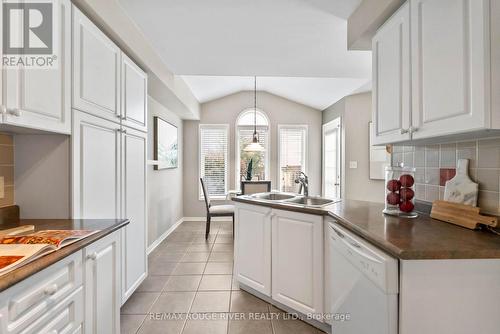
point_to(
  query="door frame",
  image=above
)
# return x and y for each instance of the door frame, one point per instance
(334, 123)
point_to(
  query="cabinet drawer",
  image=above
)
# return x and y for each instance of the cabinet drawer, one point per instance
(30, 299)
(65, 318)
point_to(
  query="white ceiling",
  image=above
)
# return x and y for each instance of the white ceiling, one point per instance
(318, 93)
(300, 46)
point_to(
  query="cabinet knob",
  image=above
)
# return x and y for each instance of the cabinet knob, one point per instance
(413, 129)
(124, 131)
(92, 256)
(14, 112)
(404, 131)
(51, 289)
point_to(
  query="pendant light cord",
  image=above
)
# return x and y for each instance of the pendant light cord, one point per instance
(255, 105)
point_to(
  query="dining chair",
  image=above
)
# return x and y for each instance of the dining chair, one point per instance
(215, 210)
(255, 187)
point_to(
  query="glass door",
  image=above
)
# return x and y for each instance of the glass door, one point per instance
(331, 159)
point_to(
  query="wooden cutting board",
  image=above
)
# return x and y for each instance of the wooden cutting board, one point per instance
(461, 189)
(461, 214)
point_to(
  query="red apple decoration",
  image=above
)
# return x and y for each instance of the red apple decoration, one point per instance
(393, 198)
(407, 194)
(393, 185)
(406, 206)
(406, 180)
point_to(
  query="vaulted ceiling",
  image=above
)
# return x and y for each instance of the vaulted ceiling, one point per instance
(297, 43)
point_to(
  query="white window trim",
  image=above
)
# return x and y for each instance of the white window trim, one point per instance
(337, 122)
(226, 157)
(237, 183)
(306, 149)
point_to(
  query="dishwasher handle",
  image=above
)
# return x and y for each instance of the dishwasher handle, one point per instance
(354, 246)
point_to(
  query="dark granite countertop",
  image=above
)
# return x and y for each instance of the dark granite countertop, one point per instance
(422, 238)
(105, 227)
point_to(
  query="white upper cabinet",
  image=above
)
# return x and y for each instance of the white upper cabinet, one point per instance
(134, 260)
(391, 79)
(96, 70)
(450, 65)
(41, 98)
(448, 46)
(96, 167)
(134, 95)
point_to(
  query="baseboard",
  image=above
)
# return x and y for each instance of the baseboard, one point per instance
(162, 237)
(202, 219)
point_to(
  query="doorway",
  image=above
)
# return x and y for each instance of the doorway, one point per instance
(332, 155)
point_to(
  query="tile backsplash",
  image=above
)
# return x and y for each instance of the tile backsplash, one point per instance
(7, 169)
(436, 163)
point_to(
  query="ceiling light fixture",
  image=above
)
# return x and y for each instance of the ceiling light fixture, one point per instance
(254, 146)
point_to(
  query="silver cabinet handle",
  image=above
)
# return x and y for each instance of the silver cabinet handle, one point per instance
(92, 256)
(413, 129)
(404, 131)
(124, 131)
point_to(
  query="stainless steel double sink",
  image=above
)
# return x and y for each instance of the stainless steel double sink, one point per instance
(286, 198)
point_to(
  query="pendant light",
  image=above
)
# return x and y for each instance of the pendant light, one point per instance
(254, 146)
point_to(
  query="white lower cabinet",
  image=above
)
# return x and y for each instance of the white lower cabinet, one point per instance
(253, 248)
(297, 261)
(280, 254)
(50, 301)
(102, 285)
(134, 258)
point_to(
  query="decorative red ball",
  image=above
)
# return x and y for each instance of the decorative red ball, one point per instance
(406, 206)
(406, 180)
(407, 194)
(393, 185)
(393, 198)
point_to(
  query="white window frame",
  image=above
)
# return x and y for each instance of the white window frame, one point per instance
(226, 157)
(337, 122)
(237, 184)
(306, 150)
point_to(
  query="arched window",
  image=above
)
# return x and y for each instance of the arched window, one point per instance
(244, 135)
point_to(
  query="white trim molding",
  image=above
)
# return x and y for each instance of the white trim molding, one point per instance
(202, 219)
(162, 237)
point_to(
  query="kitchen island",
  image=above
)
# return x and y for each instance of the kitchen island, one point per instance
(447, 277)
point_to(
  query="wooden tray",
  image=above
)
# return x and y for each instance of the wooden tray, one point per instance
(460, 214)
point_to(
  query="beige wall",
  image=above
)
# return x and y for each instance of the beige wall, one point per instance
(355, 111)
(225, 111)
(164, 186)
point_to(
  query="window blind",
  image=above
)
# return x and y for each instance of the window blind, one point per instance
(214, 159)
(292, 156)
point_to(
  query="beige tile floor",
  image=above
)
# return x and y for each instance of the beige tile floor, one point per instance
(190, 289)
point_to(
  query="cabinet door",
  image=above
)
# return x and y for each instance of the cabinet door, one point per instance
(134, 95)
(134, 259)
(253, 247)
(96, 167)
(102, 286)
(96, 70)
(450, 65)
(40, 98)
(391, 79)
(297, 261)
